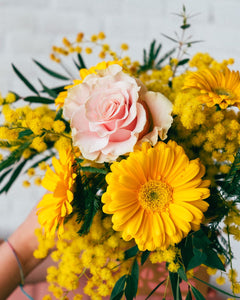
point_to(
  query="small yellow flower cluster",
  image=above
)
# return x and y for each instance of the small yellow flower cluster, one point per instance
(97, 256)
(232, 223)
(171, 256)
(212, 133)
(41, 122)
(157, 80)
(204, 60)
(10, 98)
(81, 43)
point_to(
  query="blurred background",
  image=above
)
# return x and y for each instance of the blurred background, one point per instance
(29, 28)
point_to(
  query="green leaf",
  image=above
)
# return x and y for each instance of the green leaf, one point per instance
(171, 39)
(5, 174)
(213, 261)
(189, 295)
(51, 72)
(36, 99)
(59, 114)
(81, 62)
(197, 294)
(185, 26)
(174, 279)
(118, 289)
(131, 252)
(76, 64)
(27, 83)
(186, 251)
(183, 62)
(144, 256)
(47, 90)
(200, 240)
(59, 89)
(182, 274)
(135, 276)
(154, 290)
(14, 156)
(94, 170)
(198, 259)
(35, 165)
(13, 177)
(130, 288)
(216, 288)
(169, 53)
(24, 133)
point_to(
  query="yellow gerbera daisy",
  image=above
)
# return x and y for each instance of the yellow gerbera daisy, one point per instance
(216, 87)
(59, 101)
(156, 195)
(55, 206)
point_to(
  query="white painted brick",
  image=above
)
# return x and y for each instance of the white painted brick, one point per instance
(150, 8)
(24, 3)
(92, 7)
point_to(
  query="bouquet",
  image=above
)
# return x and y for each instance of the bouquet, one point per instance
(141, 162)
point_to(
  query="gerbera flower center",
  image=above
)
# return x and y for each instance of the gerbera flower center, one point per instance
(155, 195)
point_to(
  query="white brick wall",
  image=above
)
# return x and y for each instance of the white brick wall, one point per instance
(28, 29)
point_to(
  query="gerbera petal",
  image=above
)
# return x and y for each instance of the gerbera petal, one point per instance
(156, 195)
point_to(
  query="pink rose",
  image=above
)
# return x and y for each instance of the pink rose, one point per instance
(110, 112)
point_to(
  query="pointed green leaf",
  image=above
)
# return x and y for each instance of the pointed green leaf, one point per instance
(13, 177)
(198, 259)
(171, 39)
(213, 261)
(216, 288)
(178, 291)
(41, 160)
(182, 274)
(59, 89)
(189, 295)
(183, 62)
(135, 277)
(49, 91)
(185, 26)
(144, 256)
(24, 133)
(130, 290)
(118, 289)
(151, 52)
(197, 294)
(51, 72)
(35, 99)
(174, 279)
(5, 174)
(76, 64)
(131, 252)
(81, 61)
(154, 290)
(169, 53)
(24, 79)
(59, 114)
(157, 51)
(14, 156)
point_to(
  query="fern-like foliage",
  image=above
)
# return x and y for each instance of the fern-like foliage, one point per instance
(231, 185)
(151, 59)
(87, 198)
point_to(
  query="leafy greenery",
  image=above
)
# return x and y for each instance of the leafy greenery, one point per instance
(25, 81)
(50, 72)
(127, 284)
(87, 200)
(151, 60)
